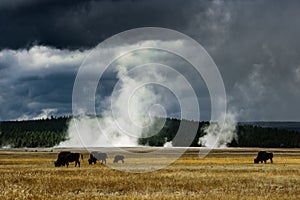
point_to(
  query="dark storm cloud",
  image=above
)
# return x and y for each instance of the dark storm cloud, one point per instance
(37, 79)
(83, 24)
(254, 43)
(259, 58)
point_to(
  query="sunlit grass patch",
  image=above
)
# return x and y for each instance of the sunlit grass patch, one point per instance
(34, 176)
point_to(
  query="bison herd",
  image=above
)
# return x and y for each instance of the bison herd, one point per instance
(66, 157)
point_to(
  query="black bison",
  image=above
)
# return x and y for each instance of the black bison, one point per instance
(65, 157)
(60, 157)
(263, 156)
(94, 156)
(119, 157)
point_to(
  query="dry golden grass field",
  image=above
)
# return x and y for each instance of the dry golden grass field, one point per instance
(222, 174)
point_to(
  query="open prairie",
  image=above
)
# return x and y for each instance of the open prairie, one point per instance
(222, 174)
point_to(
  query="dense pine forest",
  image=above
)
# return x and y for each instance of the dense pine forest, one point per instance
(34, 133)
(247, 136)
(50, 132)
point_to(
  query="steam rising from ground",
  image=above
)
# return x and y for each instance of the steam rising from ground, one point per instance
(130, 110)
(218, 135)
(168, 144)
(146, 89)
(85, 132)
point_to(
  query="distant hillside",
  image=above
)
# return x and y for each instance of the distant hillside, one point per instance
(248, 135)
(33, 133)
(290, 126)
(50, 132)
(268, 137)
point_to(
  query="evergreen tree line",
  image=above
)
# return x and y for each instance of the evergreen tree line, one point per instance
(34, 133)
(247, 136)
(255, 136)
(50, 132)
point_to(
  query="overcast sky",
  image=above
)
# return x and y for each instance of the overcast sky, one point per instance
(255, 45)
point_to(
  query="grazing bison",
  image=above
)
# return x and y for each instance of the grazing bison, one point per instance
(263, 156)
(94, 156)
(65, 157)
(60, 157)
(119, 157)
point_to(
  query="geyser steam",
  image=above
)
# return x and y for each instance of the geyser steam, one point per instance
(218, 135)
(137, 97)
(131, 108)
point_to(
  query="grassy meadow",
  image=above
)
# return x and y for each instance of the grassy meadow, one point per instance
(222, 174)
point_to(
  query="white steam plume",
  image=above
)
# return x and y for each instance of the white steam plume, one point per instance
(168, 144)
(145, 89)
(130, 109)
(218, 135)
(84, 132)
